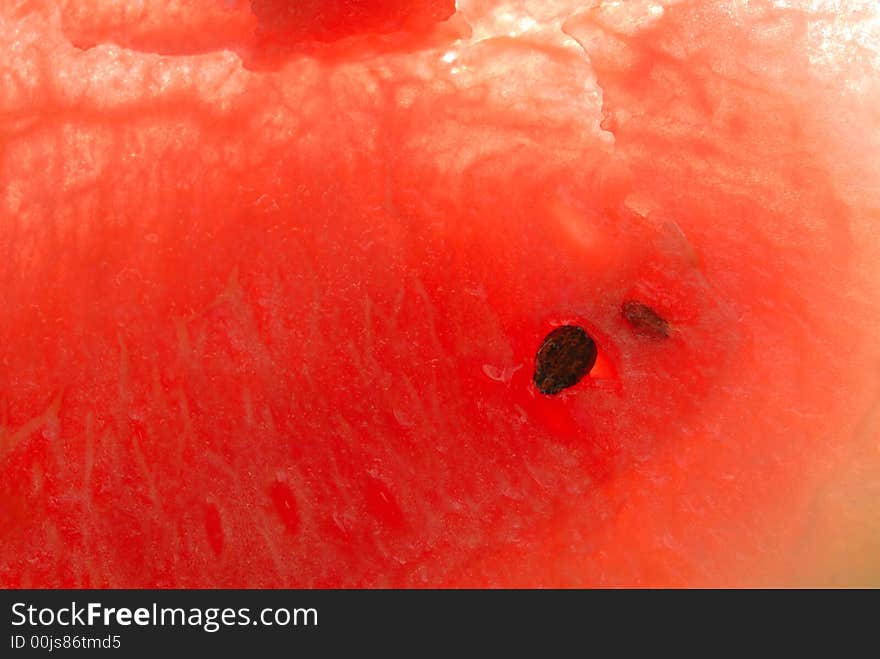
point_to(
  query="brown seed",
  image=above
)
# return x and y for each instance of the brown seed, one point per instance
(645, 321)
(564, 358)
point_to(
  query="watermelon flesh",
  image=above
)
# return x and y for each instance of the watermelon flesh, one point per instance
(273, 294)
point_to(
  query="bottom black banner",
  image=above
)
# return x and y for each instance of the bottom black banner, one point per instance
(144, 622)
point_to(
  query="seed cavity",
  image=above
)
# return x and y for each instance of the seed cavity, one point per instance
(564, 358)
(645, 321)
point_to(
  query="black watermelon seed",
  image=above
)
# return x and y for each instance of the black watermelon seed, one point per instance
(564, 358)
(644, 320)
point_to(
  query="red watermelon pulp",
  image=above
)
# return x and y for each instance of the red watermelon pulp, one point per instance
(273, 283)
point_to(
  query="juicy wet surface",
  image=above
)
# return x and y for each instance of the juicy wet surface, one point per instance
(248, 308)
